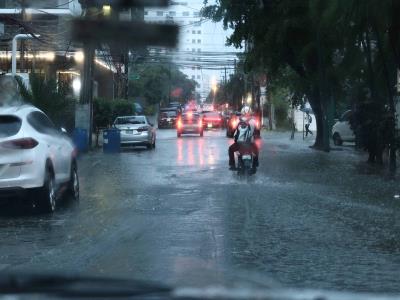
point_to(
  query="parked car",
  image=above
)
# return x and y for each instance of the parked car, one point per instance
(176, 105)
(341, 131)
(167, 118)
(189, 123)
(212, 120)
(37, 160)
(136, 131)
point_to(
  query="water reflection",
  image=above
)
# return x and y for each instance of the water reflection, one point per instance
(196, 151)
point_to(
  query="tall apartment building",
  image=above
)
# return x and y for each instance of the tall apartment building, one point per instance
(201, 54)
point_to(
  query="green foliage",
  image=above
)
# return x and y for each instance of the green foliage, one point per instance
(150, 110)
(280, 97)
(230, 92)
(345, 50)
(50, 97)
(156, 82)
(105, 111)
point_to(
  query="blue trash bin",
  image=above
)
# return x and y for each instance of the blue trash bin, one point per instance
(111, 140)
(80, 139)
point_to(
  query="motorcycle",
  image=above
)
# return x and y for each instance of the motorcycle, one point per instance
(245, 161)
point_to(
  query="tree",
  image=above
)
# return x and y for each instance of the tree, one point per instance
(231, 92)
(281, 34)
(51, 97)
(159, 83)
(338, 49)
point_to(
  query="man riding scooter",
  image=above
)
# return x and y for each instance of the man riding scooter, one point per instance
(244, 135)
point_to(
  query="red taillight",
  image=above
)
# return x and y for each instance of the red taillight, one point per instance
(234, 123)
(141, 129)
(179, 124)
(200, 123)
(25, 143)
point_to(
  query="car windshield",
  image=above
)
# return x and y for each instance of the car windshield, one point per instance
(130, 121)
(124, 153)
(168, 114)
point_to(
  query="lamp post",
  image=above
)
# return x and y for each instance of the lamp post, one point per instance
(14, 50)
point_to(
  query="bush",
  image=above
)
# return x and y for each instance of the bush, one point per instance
(105, 111)
(51, 97)
(150, 110)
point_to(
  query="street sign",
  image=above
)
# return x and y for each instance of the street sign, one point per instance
(125, 33)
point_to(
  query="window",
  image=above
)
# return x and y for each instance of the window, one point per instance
(130, 120)
(198, 31)
(41, 123)
(198, 67)
(198, 50)
(198, 76)
(193, 41)
(193, 31)
(193, 67)
(160, 13)
(198, 41)
(193, 77)
(196, 14)
(9, 126)
(193, 50)
(146, 12)
(185, 14)
(172, 13)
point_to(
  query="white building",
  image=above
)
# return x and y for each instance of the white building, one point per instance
(202, 53)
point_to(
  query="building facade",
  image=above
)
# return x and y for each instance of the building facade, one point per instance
(202, 53)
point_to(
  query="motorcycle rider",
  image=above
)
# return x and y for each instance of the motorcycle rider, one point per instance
(244, 134)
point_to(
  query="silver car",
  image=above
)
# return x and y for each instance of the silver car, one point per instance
(136, 131)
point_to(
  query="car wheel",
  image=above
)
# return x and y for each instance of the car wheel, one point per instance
(149, 146)
(47, 194)
(337, 140)
(73, 185)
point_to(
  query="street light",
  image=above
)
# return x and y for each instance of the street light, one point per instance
(249, 99)
(76, 86)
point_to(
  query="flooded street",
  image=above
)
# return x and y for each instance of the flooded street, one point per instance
(177, 215)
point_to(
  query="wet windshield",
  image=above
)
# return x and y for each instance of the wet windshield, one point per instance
(222, 145)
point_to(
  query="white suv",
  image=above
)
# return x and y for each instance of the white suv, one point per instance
(36, 158)
(341, 131)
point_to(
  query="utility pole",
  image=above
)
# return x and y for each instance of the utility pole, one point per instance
(22, 45)
(86, 96)
(84, 111)
(169, 83)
